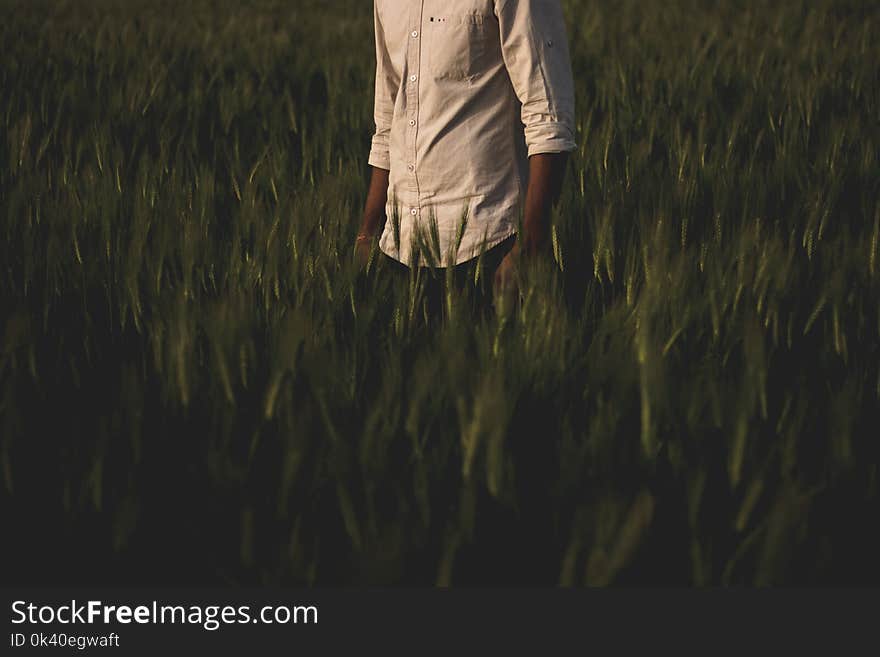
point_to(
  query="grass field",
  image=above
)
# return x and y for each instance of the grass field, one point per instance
(197, 387)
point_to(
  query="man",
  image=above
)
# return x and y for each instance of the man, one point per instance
(474, 113)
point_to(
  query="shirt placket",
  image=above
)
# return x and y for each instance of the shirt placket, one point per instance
(413, 61)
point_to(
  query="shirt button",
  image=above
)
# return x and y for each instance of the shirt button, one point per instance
(412, 78)
(412, 121)
(415, 34)
(410, 167)
(413, 212)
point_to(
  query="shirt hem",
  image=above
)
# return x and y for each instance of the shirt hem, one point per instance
(489, 245)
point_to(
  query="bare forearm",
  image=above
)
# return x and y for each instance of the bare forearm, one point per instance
(374, 209)
(546, 173)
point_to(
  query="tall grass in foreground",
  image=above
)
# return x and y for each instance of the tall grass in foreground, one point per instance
(196, 385)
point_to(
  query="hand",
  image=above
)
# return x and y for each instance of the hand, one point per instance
(363, 248)
(505, 285)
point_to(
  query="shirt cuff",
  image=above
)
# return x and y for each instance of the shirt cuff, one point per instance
(380, 160)
(379, 152)
(550, 137)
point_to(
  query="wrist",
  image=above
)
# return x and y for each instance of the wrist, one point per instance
(530, 244)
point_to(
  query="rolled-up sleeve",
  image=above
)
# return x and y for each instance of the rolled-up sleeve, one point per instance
(385, 95)
(535, 49)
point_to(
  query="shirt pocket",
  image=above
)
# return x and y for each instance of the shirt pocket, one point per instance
(457, 45)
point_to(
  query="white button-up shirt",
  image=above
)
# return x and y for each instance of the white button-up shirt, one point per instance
(466, 90)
